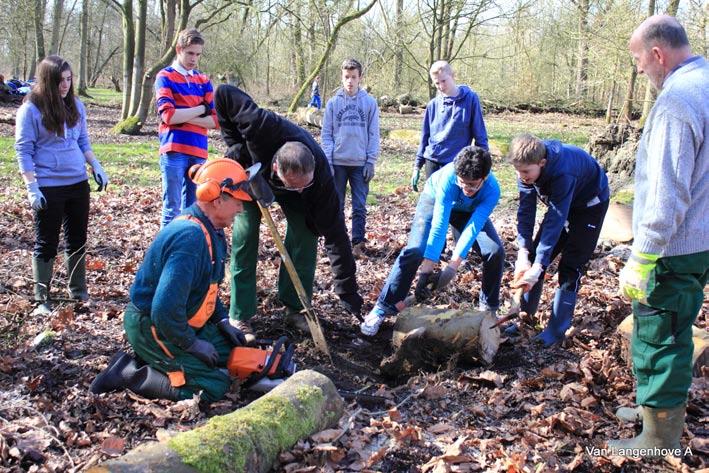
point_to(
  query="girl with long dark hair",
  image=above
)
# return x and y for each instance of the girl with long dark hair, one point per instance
(52, 145)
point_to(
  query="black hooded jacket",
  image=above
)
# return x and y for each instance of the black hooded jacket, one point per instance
(253, 135)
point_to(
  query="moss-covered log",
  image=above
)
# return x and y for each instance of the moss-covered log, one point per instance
(129, 126)
(425, 338)
(247, 440)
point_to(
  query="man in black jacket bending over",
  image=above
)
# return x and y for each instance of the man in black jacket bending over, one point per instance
(297, 171)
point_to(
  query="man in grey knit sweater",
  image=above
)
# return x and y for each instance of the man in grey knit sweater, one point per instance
(669, 265)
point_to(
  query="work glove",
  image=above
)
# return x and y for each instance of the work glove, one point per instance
(233, 334)
(368, 172)
(445, 278)
(207, 109)
(99, 174)
(204, 351)
(415, 176)
(425, 285)
(635, 275)
(522, 263)
(529, 278)
(35, 196)
(352, 303)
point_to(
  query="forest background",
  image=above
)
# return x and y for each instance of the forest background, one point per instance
(571, 53)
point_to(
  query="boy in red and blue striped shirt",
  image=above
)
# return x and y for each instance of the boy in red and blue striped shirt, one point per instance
(184, 101)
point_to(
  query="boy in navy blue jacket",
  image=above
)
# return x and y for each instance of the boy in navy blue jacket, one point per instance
(453, 119)
(575, 189)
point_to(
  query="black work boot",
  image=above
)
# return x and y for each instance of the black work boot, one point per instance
(153, 384)
(120, 370)
(42, 275)
(76, 272)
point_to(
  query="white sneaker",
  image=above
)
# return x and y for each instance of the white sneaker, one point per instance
(372, 322)
(486, 308)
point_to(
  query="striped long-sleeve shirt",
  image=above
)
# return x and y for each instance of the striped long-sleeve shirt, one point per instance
(174, 89)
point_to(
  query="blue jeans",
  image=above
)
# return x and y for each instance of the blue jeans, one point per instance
(359, 189)
(178, 190)
(315, 102)
(487, 245)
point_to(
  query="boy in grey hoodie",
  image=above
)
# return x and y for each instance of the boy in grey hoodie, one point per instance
(350, 139)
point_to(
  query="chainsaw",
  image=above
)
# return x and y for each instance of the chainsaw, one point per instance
(264, 366)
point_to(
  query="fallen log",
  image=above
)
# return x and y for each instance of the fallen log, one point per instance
(246, 440)
(426, 338)
(309, 116)
(700, 357)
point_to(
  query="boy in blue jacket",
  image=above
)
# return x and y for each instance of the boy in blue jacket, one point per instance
(453, 119)
(573, 186)
(462, 194)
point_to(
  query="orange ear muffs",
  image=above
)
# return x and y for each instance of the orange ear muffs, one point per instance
(208, 190)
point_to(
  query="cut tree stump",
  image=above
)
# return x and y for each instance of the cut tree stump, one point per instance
(618, 223)
(406, 109)
(246, 440)
(700, 357)
(426, 338)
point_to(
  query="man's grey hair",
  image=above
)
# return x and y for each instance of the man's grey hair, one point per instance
(666, 31)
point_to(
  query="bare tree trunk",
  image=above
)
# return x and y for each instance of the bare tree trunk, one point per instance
(128, 53)
(39, 52)
(297, 32)
(56, 26)
(139, 58)
(170, 16)
(582, 59)
(399, 52)
(330, 45)
(627, 110)
(649, 92)
(83, 54)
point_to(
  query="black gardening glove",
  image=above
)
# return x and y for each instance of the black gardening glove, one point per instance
(204, 351)
(207, 109)
(352, 304)
(426, 284)
(233, 334)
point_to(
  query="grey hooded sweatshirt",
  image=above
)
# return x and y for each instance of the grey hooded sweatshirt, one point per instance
(350, 129)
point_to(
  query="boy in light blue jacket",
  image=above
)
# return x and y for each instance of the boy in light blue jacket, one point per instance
(350, 139)
(462, 194)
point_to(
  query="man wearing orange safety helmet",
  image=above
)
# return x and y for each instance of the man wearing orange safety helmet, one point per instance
(175, 322)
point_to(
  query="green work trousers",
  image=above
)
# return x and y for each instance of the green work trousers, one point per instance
(212, 382)
(300, 242)
(662, 335)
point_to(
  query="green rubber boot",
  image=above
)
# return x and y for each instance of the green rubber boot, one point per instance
(630, 414)
(662, 429)
(42, 275)
(76, 271)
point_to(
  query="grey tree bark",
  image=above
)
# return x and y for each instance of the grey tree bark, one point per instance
(83, 55)
(56, 26)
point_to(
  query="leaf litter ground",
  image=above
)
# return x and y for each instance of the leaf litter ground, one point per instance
(530, 410)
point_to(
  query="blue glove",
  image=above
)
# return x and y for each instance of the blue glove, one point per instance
(368, 172)
(233, 334)
(447, 275)
(35, 196)
(204, 351)
(99, 174)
